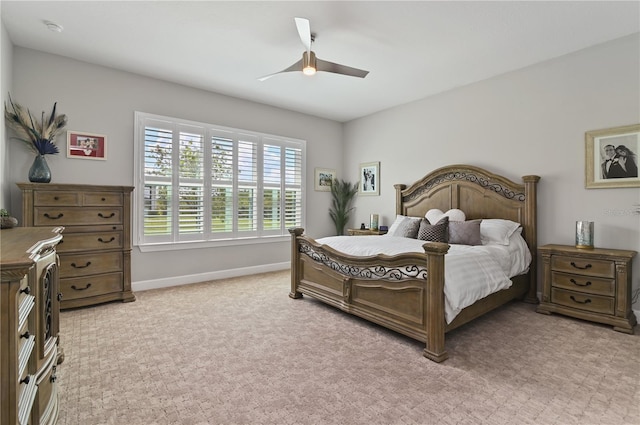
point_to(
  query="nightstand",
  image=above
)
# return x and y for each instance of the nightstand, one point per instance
(365, 232)
(589, 284)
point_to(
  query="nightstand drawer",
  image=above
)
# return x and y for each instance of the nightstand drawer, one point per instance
(583, 266)
(588, 302)
(584, 284)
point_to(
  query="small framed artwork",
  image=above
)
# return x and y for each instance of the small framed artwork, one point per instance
(324, 178)
(612, 157)
(369, 179)
(86, 145)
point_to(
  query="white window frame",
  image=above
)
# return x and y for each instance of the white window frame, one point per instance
(208, 239)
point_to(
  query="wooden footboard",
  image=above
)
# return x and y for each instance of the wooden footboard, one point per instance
(402, 293)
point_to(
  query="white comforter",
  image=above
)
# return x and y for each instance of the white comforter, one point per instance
(471, 272)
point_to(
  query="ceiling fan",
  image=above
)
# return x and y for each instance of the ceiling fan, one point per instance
(310, 64)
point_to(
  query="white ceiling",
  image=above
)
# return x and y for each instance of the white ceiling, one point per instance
(412, 49)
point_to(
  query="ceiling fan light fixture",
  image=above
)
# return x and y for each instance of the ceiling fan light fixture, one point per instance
(309, 63)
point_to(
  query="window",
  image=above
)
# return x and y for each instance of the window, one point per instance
(199, 182)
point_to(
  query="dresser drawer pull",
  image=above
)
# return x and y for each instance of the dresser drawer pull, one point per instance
(587, 301)
(53, 218)
(25, 335)
(80, 289)
(26, 290)
(81, 267)
(113, 238)
(106, 216)
(588, 266)
(588, 283)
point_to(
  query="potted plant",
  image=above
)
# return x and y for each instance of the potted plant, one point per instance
(6, 221)
(37, 135)
(342, 193)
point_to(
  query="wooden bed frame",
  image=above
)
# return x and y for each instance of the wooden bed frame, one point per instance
(396, 291)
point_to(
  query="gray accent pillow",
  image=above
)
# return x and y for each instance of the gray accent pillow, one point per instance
(438, 232)
(404, 226)
(465, 232)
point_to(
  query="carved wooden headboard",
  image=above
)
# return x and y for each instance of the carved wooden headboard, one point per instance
(477, 192)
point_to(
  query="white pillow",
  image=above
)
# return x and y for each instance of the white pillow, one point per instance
(498, 231)
(435, 215)
(405, 226)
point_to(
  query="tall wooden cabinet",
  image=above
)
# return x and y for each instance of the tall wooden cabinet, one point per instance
(95, 256)
(29, 325)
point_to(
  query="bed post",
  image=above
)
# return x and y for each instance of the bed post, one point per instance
(399, 189)
(531, 234)
(434, 304)
(295, 262)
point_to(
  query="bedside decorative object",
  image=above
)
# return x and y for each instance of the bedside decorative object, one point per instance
(592, 284)
(584, 234)
(38, 136)
(373, 222)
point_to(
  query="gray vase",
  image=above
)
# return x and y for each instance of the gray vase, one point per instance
(39, 171)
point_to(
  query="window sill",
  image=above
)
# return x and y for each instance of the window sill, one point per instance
(174, 246)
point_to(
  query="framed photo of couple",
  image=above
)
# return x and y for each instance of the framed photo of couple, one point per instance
(369, 179)
(612, 157)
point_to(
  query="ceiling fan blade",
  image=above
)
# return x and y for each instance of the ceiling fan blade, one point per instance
(336, 68)
(304, 29)
(295, 67)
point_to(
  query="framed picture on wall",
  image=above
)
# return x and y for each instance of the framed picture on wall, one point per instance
(369, 178)
(324, 177)
(612, 157)
(86, 145)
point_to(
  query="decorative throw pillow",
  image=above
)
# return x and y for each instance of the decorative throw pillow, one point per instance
(497, 231)
(438, 232)
(404, 226)
(465, 232)
(434, 215)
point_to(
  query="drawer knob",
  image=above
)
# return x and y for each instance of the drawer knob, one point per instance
(106, 216)
(587, 301)
(74, 287)
(587, 283)
(56, 198)
(113, 238)
(104, 199)
(588, 266)
(75, 266)
(53, 218)
(25, 335)
(26, 290)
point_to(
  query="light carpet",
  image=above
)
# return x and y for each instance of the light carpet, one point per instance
(240, 351)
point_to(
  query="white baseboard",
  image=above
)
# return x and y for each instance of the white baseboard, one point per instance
(145, 285)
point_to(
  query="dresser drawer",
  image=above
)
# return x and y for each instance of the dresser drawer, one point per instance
(83, 287)
(90, 264)
(52, 198)
(90, 241)
(577, 300)
(584, 284)
(101, 198)
(47, 216)
(583, 266)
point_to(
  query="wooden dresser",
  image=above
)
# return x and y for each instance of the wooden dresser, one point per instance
(29, 325)
(590, 284)
(95, 256)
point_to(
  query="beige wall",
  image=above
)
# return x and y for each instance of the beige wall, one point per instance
(531, 121)
(6, 55)
(102, 100)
